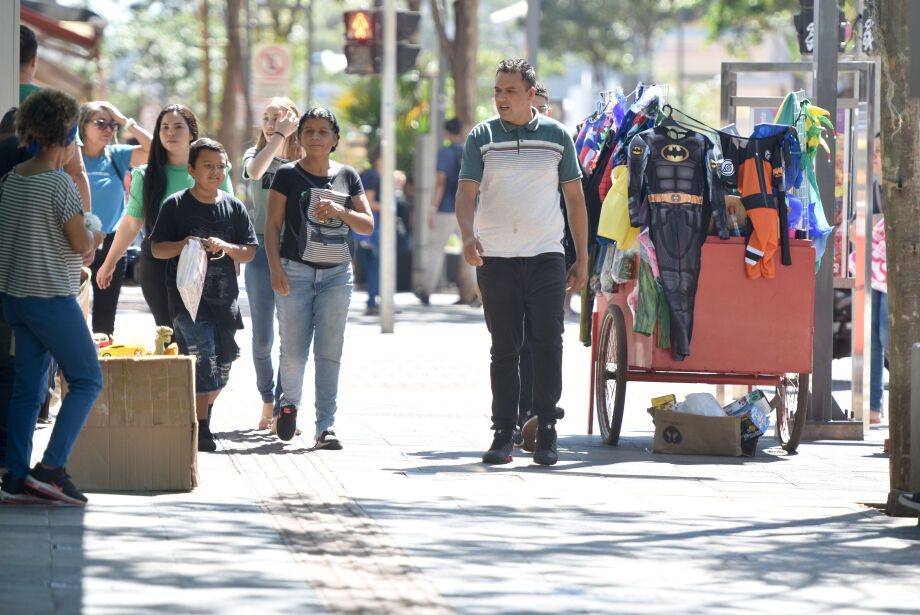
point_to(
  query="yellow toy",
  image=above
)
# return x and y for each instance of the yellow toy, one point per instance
(164, 337)
(120, 350)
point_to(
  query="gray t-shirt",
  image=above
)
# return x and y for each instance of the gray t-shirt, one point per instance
(259, 188)
(36, 259)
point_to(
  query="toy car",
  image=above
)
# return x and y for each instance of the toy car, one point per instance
(119, 350)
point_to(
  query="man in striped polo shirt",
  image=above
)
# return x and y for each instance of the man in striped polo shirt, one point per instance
(514, 163)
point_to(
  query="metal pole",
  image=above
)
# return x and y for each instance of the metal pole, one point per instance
(308, 75)
(533, 32)
(387, 195)
(9, 70)
(825, 84)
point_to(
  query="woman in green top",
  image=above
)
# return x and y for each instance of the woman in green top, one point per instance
(165, 173)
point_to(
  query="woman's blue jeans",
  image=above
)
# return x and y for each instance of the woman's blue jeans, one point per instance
(877, 351)
(46, 328)
(314, 311)
(262, 310)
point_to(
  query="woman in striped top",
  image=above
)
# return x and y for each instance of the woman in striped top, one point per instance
(42, 238)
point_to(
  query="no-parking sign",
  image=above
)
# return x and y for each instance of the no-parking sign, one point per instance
(271, 70)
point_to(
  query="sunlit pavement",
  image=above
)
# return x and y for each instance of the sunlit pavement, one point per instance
(405, 519)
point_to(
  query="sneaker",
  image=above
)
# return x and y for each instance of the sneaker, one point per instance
(546, 454)
(54, 483)
(910, 500)
(328, 441)
(517, 437)
(422, 296)
(14, 492)
(500, 451)
(287, 422)
(529, 434)
(206, 443)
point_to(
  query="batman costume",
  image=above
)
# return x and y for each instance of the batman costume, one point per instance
(755, 166)
(676, 170)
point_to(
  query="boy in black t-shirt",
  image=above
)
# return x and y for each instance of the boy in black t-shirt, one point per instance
(219, 221)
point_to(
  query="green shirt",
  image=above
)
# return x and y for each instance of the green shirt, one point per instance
(177, 179)
(25, 89)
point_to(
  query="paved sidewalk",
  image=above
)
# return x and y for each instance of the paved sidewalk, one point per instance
(406, 519)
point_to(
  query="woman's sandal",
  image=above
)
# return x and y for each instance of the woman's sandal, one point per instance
(265, 422)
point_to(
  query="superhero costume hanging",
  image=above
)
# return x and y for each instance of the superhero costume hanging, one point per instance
(675, 169)
(755, 166)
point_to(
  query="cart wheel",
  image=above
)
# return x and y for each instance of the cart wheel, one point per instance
(792, 407)
(610, 374)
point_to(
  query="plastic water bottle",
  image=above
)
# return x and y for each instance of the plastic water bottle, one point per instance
(734, 229)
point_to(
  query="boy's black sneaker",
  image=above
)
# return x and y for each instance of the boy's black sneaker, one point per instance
(910, 500)
(328, 441)
(529, 430)
(206, 443)
(500, 451)
(14, 492)
(54, 483)
(546, 454)
(287, 422)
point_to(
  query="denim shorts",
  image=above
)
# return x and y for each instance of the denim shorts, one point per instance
(201, 340)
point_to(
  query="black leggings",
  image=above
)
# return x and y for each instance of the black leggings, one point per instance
(153, 285)
(105, 300)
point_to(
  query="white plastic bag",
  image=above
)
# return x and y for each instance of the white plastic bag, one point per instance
(193, 267)
(703, 404)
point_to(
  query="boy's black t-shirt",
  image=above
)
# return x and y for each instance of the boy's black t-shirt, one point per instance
(183, 215)
(292, 181)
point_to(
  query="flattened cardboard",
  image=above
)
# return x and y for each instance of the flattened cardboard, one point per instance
(691, 434)
(142, 432)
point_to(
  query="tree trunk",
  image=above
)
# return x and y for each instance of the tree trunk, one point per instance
(229, 132)
(461, 51)
(900, 174)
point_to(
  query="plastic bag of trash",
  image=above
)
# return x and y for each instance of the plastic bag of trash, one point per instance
(703, 404)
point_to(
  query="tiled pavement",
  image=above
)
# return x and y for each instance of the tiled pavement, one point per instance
(406, 520)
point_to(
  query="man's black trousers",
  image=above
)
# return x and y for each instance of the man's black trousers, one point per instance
(513, 288)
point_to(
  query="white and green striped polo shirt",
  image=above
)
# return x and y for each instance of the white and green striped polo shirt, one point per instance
(519, 169)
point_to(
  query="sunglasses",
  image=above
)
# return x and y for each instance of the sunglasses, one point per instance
(102, 124)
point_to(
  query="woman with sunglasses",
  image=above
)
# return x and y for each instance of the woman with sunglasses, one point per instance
(106, 163)
(277, 145)
(42, 237)
(165, 173)
(312, 204)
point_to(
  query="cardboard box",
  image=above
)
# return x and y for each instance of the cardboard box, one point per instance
(755, 412)
(692, 434)
(142, 432)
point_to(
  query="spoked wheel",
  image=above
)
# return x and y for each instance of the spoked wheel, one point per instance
(791, 409)
(610, 374)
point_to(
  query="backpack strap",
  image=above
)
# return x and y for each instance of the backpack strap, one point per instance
(111, 159)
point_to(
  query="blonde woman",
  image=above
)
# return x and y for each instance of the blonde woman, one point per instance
(277, 145)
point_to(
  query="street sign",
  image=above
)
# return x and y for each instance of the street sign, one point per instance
(271, 73)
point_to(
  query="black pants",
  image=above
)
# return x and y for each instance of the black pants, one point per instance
(105, 300)
(514, 289)
(153, 285)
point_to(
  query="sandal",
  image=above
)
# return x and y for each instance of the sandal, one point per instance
(265, 422)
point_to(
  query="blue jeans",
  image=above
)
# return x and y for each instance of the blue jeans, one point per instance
(879, 346)
(208, 344)
(46, 328)
(315, 310)
(262, 309)
(369, 259)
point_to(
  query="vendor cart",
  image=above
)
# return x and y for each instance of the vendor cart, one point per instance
(745, 332)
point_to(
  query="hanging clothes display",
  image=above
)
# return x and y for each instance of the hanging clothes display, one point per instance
(674, 168)
(755, 167)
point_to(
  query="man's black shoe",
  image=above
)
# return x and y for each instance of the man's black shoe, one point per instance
(546, 454)
(287, 422)
(500, 451)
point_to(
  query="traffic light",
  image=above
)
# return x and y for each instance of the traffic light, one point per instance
(361, 43)
(364, 41)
